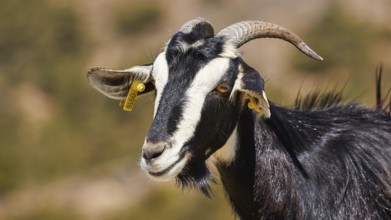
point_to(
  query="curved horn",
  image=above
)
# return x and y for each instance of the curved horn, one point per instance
(242, 32)
(200, 25)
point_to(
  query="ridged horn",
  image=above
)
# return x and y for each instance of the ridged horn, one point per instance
(200, 25)
(245, 31)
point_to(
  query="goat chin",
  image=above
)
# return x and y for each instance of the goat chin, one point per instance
(321, 160)
(157, 173)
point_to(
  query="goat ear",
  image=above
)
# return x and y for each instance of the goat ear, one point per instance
(251, 85)
(115, 84)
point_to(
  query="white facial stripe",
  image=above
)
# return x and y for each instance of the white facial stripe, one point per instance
(204, 82)
(160, 74)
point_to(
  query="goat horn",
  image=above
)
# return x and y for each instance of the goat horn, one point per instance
(201, 25)
(245, 31)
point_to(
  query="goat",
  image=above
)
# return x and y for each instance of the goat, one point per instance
(332, 162)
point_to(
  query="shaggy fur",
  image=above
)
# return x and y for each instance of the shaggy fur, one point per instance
(325, 164)
(321, 160)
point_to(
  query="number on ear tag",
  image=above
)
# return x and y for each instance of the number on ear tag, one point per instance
(128, 103)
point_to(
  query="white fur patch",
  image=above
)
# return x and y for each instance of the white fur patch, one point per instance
(230, 51)
(204, 82)
(237, 87)
(160, 164)
(160, 74)
(227, 153)
(185, 46)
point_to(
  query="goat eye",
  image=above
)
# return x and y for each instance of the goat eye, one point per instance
(222, 88)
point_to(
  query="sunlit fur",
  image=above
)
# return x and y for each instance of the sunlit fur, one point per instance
(325, 161)
(328, 163)
(160, 74)
(180, 109)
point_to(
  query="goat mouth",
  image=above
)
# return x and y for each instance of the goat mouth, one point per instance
(168, 169)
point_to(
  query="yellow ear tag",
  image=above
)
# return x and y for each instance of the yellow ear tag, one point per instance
(128, 103)
(252, 104)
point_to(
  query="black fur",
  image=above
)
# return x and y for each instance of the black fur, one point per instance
(322, 160)
(345, 152)
(207, 139)
(383, 103)
(318, 100)
(182, 69)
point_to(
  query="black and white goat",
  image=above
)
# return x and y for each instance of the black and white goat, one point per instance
(274, 163)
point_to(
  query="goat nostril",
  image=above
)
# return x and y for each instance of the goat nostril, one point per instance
(153, 152)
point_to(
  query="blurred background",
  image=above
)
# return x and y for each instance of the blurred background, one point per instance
(67, 152)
